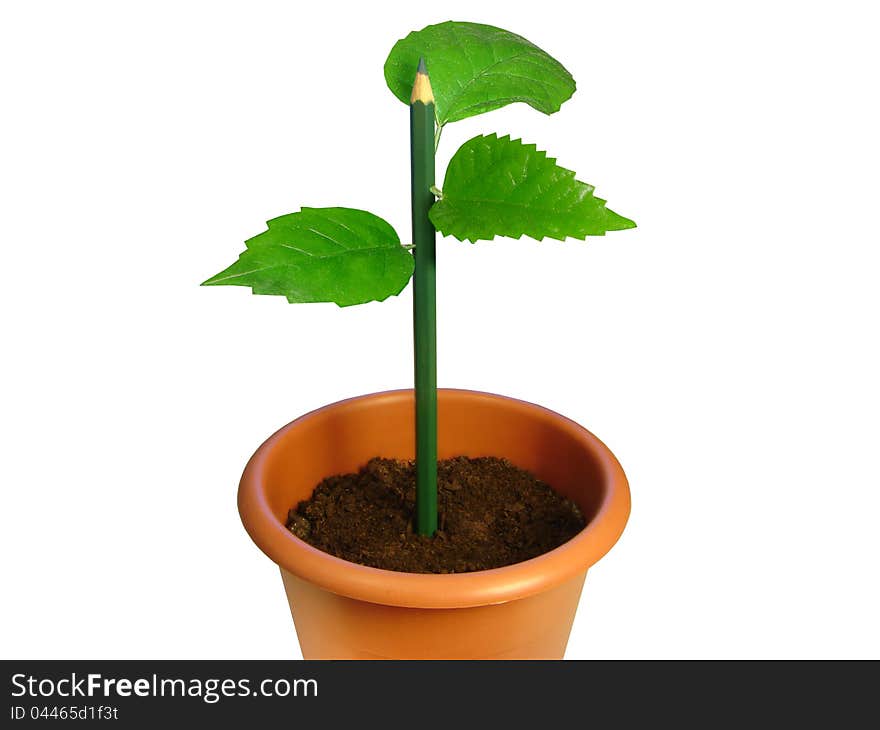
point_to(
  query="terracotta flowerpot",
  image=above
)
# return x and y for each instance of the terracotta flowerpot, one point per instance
(344, 610)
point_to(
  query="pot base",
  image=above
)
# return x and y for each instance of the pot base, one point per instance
(330, 626)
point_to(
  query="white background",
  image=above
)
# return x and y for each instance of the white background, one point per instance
(726, 350)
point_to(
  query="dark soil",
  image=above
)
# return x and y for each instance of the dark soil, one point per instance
(491, 513)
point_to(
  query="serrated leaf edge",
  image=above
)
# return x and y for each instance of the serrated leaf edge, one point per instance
(544, 155)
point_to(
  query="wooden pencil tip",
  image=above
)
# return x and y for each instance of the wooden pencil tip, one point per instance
(422, 87)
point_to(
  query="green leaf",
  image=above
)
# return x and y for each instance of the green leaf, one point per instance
(336, 255)
(496, 186)
(477, 68)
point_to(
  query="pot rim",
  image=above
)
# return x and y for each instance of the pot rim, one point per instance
(430, 590)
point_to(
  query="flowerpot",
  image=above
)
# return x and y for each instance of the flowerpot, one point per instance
(345, 610)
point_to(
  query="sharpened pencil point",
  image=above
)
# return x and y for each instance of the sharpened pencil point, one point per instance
(422, 87)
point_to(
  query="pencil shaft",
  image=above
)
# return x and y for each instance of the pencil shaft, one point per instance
(424, 314)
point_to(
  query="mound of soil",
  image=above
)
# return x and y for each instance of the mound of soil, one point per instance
(491, 513)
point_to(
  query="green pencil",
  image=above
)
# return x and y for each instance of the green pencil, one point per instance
(421, 128)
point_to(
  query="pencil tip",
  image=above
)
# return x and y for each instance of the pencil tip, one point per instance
(422, 87)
